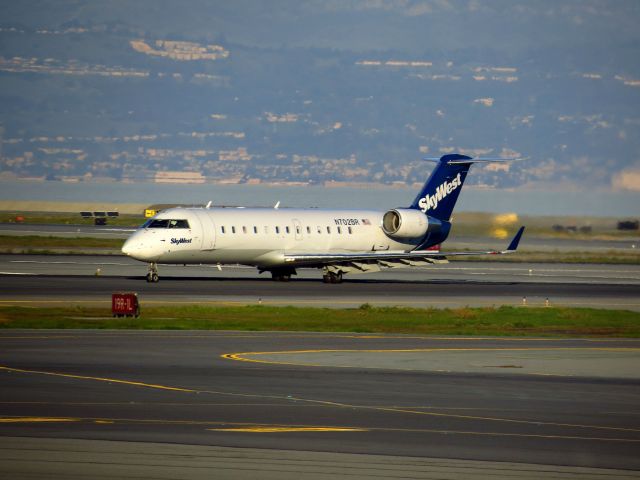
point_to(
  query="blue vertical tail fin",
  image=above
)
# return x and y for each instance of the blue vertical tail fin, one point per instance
(440, 192)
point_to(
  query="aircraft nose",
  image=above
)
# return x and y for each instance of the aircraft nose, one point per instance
(127, 248)
(133, 247)
(139, 247)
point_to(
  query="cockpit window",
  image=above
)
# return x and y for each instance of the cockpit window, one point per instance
(165, 223)
(178, 224)
(158, 224)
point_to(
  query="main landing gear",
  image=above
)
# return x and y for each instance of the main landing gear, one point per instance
(152, 275)
(332, 277)
(282, 275)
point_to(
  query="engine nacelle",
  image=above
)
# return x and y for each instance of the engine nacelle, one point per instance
(405, 223)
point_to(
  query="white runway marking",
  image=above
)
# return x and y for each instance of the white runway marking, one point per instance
(57, 233)
(544, 272)
(69, 263)
(514, 269)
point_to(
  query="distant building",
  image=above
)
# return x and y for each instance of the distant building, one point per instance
(179, 177)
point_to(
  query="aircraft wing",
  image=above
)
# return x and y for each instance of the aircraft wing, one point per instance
(389, 258)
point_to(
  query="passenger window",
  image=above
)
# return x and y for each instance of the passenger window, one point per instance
(222, 230)
(309, 230)
(286, 229)
(350, 231)
(233, 229)
(277, 229)
(339, 230)
(255, 229)
(298, 230)
(319, 229)
(329, 230)
(244, 229)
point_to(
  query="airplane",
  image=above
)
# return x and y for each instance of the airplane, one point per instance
(339, 242)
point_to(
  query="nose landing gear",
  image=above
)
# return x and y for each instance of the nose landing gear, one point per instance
(152, 275)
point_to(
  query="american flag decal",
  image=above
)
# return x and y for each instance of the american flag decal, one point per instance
(366, 221)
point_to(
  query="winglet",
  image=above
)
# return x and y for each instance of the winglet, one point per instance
(513, 246)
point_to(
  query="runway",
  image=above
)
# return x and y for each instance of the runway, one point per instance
(50, 279)
(396, 417)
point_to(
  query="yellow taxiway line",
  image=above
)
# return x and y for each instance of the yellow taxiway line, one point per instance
(328, 403)
(101, 379)
(243, 356)
(37, 419)
(287, 429)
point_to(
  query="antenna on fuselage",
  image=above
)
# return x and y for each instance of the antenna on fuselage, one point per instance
(275, 207)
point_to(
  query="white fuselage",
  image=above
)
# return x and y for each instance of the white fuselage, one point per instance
(258, 236)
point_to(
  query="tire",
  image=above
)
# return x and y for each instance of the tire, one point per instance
(335, 277)
(154, 278)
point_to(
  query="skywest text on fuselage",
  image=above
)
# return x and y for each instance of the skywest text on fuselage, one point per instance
(178, 241)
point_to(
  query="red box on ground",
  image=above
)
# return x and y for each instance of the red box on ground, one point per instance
(124, 304)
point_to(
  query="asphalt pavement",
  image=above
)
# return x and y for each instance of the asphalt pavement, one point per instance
(398, 416)
(51, 279)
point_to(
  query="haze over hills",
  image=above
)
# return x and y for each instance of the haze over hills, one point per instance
(314, 91)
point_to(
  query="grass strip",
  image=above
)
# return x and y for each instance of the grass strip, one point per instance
(44, 218)
(37, 241)
(502, 321)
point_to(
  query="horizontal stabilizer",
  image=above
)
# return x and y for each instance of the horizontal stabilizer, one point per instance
(323, 259)
(469, 161)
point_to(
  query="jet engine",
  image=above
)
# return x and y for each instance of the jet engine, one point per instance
(405, 223)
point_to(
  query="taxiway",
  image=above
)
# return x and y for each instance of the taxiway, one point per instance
(479, 417)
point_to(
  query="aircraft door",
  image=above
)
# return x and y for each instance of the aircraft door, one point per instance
(208, 230)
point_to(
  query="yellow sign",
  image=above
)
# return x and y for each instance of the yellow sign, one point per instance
(148, 213)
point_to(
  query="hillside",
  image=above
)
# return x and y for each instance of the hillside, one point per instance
(320, 91)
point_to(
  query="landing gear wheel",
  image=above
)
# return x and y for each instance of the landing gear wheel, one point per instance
(281, 276)
(332, 277)
(152, 275)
